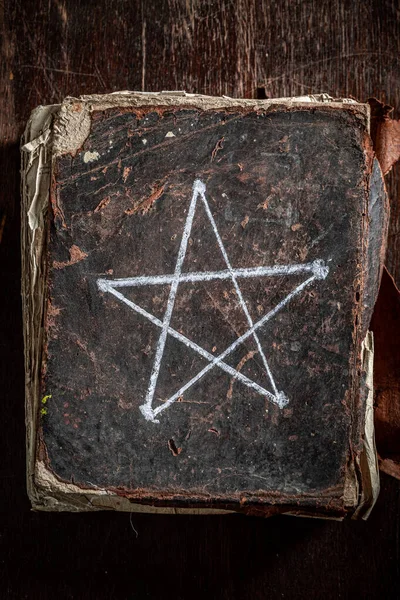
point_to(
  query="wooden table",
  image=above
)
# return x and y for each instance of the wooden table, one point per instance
(248, 48)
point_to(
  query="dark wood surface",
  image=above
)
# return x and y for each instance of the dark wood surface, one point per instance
(51, 49)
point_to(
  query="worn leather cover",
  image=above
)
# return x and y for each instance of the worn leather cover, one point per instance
(208, 273)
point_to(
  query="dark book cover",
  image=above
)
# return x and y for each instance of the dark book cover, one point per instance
(199, 275)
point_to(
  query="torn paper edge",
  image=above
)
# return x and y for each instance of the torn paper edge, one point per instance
(35, 183)
(368, 459)
(60, 496)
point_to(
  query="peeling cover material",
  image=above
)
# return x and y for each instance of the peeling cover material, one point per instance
(198, 278)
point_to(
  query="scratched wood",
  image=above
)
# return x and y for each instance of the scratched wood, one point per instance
(52, 48)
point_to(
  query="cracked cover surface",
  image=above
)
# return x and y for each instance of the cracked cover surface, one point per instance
(284, 188)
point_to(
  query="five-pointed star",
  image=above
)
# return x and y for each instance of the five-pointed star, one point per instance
(316, 270)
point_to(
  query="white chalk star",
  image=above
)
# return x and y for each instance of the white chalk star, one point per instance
(317, 269)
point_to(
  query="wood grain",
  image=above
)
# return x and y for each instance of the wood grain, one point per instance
(54, 48)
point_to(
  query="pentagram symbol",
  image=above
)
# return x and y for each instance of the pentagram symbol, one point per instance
(315, 270)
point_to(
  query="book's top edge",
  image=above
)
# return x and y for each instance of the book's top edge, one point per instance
(134, 96)
(73, 115)
(126, 99)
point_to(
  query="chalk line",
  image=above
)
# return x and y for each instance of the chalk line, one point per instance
(182, 338)
(238, 292)
(198, 187)
(312, 267)
(281, 401)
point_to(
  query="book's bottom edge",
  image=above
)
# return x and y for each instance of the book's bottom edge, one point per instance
(48, 494)
(115, 504)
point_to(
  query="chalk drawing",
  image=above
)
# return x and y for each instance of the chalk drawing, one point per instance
(317, 270)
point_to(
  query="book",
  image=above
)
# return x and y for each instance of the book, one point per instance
(199, 274)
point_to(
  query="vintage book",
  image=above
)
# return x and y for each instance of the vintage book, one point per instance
(199, 275)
